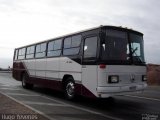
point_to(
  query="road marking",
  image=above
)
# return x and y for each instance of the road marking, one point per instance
(6, 85)
(17, 94)
(54, 100)
(10, 89)
(42, 103)
(63, 103)
(84, 109)
(37, 111)
(147, 98)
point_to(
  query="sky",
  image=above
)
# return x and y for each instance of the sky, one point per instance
(24, 22)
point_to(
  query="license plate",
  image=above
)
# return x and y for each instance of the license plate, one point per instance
(132, 88)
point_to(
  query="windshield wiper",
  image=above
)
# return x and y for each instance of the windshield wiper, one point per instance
(133, 51)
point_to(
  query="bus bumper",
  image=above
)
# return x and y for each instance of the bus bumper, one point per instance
(104, 92)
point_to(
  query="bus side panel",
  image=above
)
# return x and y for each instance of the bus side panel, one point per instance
(44, 72)
(47, 83)
(89, 80)
(40, 67)
(30, 67)
(52, 68)
(70, 67)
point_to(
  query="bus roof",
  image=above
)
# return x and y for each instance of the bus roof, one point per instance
(82, 31)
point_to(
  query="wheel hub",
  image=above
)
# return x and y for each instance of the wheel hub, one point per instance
(70, 89)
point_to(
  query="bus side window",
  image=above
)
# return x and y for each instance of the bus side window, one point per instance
(30, 52)
(90, 48)
(15, 54)
(40, 50)
(21, 53)
(72, 45)
(54, 48)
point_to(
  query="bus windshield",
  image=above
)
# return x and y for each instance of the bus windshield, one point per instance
(137, 51)
(121, 49)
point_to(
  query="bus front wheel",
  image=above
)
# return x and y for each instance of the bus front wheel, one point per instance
(69, 89)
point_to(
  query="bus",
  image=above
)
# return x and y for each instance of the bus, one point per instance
(100, 62)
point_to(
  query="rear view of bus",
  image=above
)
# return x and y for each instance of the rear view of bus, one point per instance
(121, 64)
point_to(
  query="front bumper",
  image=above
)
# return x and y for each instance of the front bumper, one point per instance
(109, 91)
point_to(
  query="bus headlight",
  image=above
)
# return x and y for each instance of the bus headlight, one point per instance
(144, 78)
(113, 79)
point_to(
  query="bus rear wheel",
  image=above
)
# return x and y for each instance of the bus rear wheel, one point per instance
(69, 89)
(25, 84)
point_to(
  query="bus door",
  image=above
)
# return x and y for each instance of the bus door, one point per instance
(89, 67)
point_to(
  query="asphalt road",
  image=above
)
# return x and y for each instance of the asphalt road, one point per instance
(51, 104)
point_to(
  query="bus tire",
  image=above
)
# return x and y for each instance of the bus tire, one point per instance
(25, 84)
(69, 89)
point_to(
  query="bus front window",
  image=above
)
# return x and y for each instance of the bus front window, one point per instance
(116, 47)
(122, 47)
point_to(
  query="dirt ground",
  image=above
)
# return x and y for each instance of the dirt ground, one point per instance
(153, 74)
(11, 110)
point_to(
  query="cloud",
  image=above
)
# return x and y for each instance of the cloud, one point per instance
(26, 21)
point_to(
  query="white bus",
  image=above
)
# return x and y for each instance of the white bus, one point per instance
(97, 63)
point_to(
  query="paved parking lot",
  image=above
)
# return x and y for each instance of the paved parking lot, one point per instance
(52, 104)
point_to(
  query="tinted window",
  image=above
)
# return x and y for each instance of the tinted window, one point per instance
(76, 40)
(40, 50)
(90, 47)
(30, 56)
(71, 51)
(21, 53)
(57, 44)
(67, 42)
(16, 54)
(72, 45)
(116, 46)
(54, 53)
(137, 51)
(43, 47)
(30, 52)
(51, 46)
(54, 48)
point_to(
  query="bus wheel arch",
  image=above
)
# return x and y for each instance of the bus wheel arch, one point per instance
(68, 86)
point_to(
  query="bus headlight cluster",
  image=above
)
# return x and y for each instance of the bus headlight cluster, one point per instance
(113, 79)
(144, 78)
